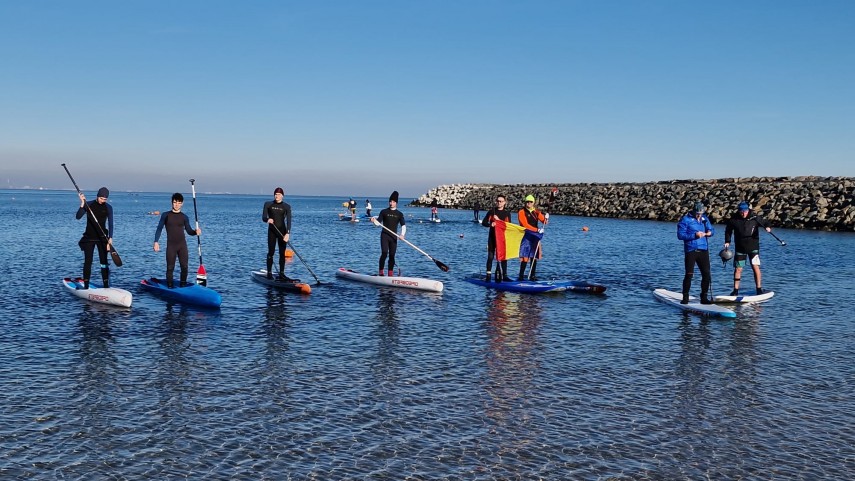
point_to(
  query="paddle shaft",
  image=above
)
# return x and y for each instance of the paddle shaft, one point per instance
(298, 254)
(113, 253)
(770, 233)
(196, 216)
(439, 264)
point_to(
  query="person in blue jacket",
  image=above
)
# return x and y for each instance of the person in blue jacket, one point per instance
(693, 229)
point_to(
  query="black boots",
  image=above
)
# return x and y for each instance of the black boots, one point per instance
(522, 271)
(685, 299)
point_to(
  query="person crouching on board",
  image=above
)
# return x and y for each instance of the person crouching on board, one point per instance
(277, 214)
(93, 236)
(176, 223)
(693, 229)
(530, 218)
(746, 234)
(390, 218)
(496, 214)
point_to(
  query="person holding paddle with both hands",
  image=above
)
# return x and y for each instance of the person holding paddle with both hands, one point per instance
(277, 215)
(390, 218)
(176, 223)
(98, 226)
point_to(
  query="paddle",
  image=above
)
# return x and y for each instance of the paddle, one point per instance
(298, 255)
(112, 250)
(201, 274)
(770, 233)
(439, 264)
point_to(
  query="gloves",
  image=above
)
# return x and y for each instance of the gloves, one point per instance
(540, 231)
(546, 216)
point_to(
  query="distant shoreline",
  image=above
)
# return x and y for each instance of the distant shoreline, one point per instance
(808, 202)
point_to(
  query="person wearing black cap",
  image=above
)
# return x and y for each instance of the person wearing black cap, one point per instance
(745, 229)
(277, 215)
(93, 236)
(176, 223)
(390, 218)
(693, 229)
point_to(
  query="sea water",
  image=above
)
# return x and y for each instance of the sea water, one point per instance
(360, 382)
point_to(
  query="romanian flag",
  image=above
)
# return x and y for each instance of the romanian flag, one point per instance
(508, 239)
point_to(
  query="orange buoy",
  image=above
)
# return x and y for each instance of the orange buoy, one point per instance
(306, 289)
(289, 253)
(585, 229)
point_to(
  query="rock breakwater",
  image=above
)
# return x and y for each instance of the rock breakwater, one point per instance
(817, 203)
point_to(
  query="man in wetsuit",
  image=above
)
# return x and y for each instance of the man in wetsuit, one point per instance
(496, 214)
(693, 229)
(277, 214)
(745, 229)
(94, 235)
(390, 218)
(530, 218)
(176, 223)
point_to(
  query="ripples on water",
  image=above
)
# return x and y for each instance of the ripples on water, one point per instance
(355, 382)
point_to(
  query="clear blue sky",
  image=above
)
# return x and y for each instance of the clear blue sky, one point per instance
(361, 97)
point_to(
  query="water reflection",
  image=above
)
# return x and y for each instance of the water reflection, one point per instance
(512, 362)
(387, 332)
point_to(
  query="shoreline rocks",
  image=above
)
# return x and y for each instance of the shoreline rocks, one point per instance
(814, 203)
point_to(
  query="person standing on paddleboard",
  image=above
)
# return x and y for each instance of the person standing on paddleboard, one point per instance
(390, 218)
(530, 218)
(434, 215)
(368, 207)
(277, 214)
(176, 223)
(745, 229)
(693, 229)
(495, 214)
(93, 236)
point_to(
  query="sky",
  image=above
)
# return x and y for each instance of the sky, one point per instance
(365, 97)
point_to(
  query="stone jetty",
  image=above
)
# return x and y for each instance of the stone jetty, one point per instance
(817, 203)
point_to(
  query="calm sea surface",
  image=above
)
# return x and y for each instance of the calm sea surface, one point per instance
(359, 382)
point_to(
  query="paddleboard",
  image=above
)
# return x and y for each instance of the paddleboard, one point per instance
(192, 294)
(111, 295)
(536, 287)
(346, 217)
(673, 299)
(744, 299)
(292, 285)
(417, 283)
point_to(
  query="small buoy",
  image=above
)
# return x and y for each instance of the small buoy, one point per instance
(461, 235)
(585, 229)
(289, 253)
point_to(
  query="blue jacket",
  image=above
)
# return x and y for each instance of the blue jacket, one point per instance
(687, 229)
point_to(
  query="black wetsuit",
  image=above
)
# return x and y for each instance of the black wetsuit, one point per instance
(93, 237)
(176, 223)
(746, 233)
(280, 212)
(504, 215)
(390, 219)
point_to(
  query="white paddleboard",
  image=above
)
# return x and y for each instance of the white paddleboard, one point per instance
(417, 283)
(744, 299)
(673, 298)
(110, 295)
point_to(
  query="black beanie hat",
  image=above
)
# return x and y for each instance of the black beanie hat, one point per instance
(103, 192)
(394, 196)
(177, 196)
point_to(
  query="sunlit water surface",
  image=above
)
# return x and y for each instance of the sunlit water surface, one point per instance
(359, 382)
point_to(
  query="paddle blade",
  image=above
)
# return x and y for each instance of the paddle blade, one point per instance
(442, 266)
(116, 259)
(202, 276)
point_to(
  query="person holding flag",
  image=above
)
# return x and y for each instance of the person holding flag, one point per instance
(531, 248)
(495, 215)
